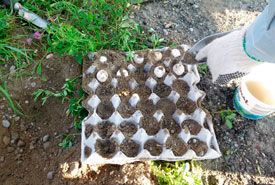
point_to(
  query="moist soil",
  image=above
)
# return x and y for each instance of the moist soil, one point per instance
(153, 147)
(129, 147)
(87, 151)
(189, 58)
(193, 127)
(128, 129)
(105, 129)
(162, 90)
(199, 147)
(88, 130)
(186, 105)
(105, 109)
(126, 110)
(146, 107)
(177, 145)
(150, 125)
(104, 92)
(106, 148)
(171, 125)
(143, 91)
(167, 107)
(181, 87)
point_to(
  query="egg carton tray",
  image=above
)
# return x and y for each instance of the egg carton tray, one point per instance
(144, 105)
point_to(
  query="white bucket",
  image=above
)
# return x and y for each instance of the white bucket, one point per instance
(255, 98)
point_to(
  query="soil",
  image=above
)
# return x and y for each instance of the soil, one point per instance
(143, 91)
(181, 87)
(167, 106)
(126, 110)
(88, 130)
(186, 105)
(104, 92)
(87, 151)
(153, 147)
(105, 109)
(128, 129)
(146, 107)
(150, 125)
(162, 90)
(106, 148)
(193, 127)
(105, 129)
(177, 145)
(199, 147)
(129, 147)
(189, 58)
(171, 125)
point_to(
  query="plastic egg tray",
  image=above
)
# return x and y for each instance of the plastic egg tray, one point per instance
(144, 105)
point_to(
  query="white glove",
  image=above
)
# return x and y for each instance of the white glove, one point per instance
(226, 57)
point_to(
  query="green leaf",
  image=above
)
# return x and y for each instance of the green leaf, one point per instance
(39, 69)
(228, 123)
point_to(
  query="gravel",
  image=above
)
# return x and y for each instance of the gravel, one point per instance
(21, 143)
(6, 140)
(6, 123)
(50, 175)
(45, 138)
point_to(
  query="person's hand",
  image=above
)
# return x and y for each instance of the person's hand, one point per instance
(226, 57)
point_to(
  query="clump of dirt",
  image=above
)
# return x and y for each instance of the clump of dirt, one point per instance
(128, 129)
(181, 87)
(87, 151)
(129, 147)
(172, 126)
(105, 109)
(153, 147)
(126, 110)
(167, 106)
(193, 127)
(150, 125)
(186, 105)
(199, 147)
(146, 107)
(177, 145)
(105, 129)
(106, 148)
(189, 58)
(88, 130)
(162, 90)
(105, 92)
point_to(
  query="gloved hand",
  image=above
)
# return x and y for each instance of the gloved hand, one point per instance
(226, 57)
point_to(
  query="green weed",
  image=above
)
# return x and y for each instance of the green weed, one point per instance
(68, 140)
(176, 173)
(75, 109)
(202, 68)
(228, 116)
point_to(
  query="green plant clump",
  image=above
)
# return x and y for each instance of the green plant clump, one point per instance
(176, 173)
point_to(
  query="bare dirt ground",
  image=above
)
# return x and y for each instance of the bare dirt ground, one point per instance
(29, 156)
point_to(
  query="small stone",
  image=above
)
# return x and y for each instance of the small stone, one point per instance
(103, 59)
(21, 143)
(6, 140)
(2, 158)
(195, 6)
(49, 56)
(12, 69)
(32, 146)
(22, 127)
(14, 136)
(46, 145)
(165, 32)
(50, 175)
(10, 149)
(45, 138)
(33, 84)
(26, 102)
(6, 123)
